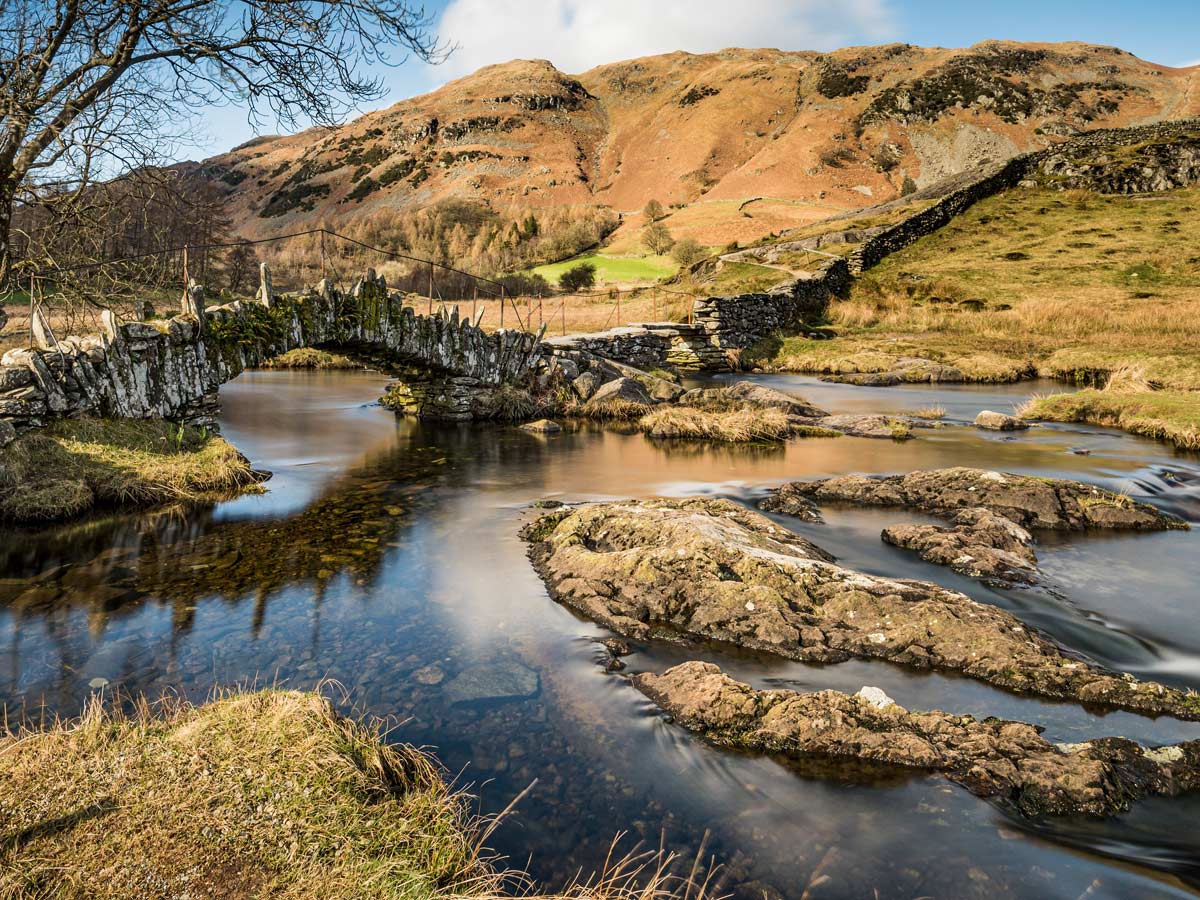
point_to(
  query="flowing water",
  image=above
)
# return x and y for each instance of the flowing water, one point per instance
(385, 556)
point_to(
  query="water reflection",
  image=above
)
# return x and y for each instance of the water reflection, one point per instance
(386, 557)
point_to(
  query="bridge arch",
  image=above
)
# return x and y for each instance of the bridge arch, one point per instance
(173, 368)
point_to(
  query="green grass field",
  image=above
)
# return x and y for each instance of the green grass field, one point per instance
(614, 269)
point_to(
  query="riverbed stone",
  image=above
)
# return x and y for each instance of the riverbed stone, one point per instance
(867, 426)
(787, 500)
(542, 426)
(429, 675)
(979, 543)
(504, 680)
(587, 384)
(1005, 761)
(768, 397)
(707, 568)
(989, 420)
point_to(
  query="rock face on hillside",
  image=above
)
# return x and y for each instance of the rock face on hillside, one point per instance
(846, 128)
(1146, 167)
(702, 568)
(1006, 761)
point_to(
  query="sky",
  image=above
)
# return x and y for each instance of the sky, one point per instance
(578, 34)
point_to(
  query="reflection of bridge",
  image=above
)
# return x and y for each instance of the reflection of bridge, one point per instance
(172, 368)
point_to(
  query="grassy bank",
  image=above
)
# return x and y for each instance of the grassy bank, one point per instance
(1172, 416)
(270, 793)
(258, 794)
(1069, 284)
(74, 465)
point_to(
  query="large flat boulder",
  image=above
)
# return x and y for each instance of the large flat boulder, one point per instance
(760, 395)
(626, 390)
(990, 420)
(978, 543)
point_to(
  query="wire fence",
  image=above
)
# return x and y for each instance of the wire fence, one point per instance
(72, 296)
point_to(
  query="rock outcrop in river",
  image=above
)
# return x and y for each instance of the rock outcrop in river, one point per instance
(1031, 502)
(1009, 762)
(990, 513)
(705, 568)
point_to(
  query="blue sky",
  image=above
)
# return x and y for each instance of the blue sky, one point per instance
(578, 34)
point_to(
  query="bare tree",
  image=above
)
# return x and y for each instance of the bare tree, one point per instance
(90, 89)
(657, 238)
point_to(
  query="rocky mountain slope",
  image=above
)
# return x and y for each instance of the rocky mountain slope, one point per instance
(824, 132)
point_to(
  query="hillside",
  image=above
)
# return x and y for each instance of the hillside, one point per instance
(1034, 278)
(749, 141)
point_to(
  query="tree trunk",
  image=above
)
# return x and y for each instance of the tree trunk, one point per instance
(6, 261)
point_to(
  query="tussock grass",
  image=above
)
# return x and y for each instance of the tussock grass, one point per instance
(507, 403)
(270, 793)
(310, 358)
(615, 409)
(929, 412)
(74, 465)
(740, 425)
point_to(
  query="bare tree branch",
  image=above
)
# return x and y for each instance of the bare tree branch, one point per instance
(89, 88)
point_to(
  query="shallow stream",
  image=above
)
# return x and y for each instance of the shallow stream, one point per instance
(385, 557)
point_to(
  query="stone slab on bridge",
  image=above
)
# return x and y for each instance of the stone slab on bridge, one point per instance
(173, 368)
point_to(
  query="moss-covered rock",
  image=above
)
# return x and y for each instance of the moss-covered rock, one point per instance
(1009, 762)
(705, 568)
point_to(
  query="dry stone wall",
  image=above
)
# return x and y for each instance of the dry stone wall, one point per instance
(734, 323)
(720, 327)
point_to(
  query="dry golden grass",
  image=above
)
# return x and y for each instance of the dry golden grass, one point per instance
(1130, 402)
(735, 425)
(1072, 284)
(309, 358)
(743, 424)
(929, 412)
(572, 313)
(270, 793)
(73, 465)
(718, 223)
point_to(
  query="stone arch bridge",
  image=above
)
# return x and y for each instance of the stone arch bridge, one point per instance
(172, 368)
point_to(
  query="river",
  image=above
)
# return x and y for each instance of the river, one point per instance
(385, 559)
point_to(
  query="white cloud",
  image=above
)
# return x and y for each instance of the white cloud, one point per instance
(578, 34)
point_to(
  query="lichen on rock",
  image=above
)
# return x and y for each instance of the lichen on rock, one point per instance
(990, 514)
(1009, 762)
(710, 569)
(1034, 503)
